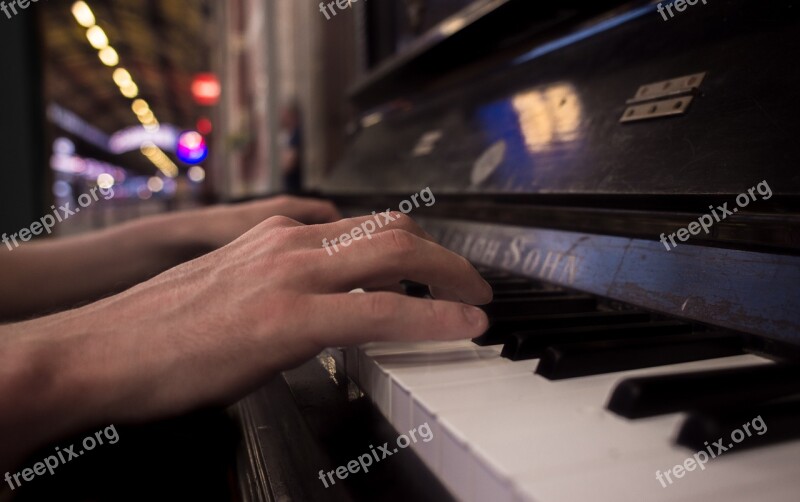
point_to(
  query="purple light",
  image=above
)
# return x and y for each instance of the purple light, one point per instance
(192, 148)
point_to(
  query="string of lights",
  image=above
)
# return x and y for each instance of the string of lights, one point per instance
(124, 80)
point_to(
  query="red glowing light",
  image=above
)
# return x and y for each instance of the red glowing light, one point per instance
(204, 126)
(206, 89)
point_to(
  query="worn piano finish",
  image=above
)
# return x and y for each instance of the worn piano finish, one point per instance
(511, 113)
(557, 107)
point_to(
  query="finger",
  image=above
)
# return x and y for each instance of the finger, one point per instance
(443, 294)
(391, 288)
(366, 227)
(313, 211)
(397, 255)
(349, 319)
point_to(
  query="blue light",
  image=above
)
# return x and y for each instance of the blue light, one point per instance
(584, 34)
(192, 148)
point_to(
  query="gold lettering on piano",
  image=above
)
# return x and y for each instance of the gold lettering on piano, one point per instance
(492, 248)
(531, 262)
(551, 265)
(570, 271)
(521, 254)
(514, 253)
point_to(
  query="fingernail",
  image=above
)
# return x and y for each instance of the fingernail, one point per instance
(474, 315)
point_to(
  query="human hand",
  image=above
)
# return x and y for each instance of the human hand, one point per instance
(217, 226)
(211, 330)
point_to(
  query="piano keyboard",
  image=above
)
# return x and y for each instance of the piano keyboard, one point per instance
(504, 432)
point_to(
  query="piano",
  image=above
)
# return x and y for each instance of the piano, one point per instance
(575, 150)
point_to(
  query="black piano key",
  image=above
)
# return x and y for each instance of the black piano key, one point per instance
(758, 425)
(500, 329)
(535, 306)
(532, 344)
(532, 293)
(512, 284)
(655, 395)
(607, 356)
(490, 275)
(416, 289)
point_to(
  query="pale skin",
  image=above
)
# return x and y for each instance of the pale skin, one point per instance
(57, 274)
(210, 330)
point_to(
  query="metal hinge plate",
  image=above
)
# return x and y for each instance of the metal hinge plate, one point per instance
(649, 101)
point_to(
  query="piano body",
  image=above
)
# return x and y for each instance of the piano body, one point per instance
(565, 143)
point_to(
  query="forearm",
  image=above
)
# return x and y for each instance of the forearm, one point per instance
(122, 360)
(44, 392)
(42, 277)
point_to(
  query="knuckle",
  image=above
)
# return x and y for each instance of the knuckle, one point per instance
(401, 242)
(407, 223)
(283, 199)
(382, 306)
(437, 313)
(281, 222)
(397, 216)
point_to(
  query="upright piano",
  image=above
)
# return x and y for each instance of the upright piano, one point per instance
(627, 177)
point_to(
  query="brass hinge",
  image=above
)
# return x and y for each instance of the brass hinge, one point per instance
(649, 101)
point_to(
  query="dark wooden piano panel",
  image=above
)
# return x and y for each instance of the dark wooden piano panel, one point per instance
(556, 111)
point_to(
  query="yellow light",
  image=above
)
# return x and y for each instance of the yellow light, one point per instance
(83, 14)
(122, 78)
(452, 26)
(160, 160)
(197, 174)
(155, 184)
(105, 181)
(97, 37)
(130, 91)
(371, 120)
(140, 107)
(548, 116)
(147, 117)
(109, 56)
(149, 149)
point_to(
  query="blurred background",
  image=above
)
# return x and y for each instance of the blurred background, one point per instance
(172, 104)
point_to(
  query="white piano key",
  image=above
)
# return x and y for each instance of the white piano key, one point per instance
(571, 425)
(429, 452)
(496, 424)
(377, 385)
(401, 407)
(460, 365)
(456, 473)
(768, 473)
